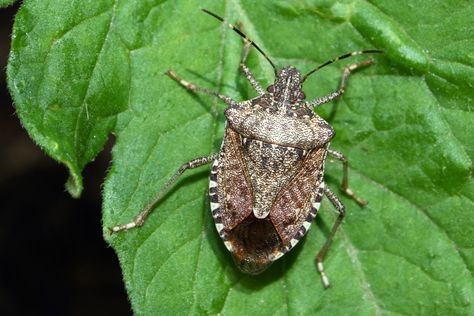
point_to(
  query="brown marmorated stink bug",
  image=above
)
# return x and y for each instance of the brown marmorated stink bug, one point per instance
(267, 180)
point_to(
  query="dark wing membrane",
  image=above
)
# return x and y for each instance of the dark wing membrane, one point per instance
(234, 188)
(292, 205)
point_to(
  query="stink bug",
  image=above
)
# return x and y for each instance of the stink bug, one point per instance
(267, 180)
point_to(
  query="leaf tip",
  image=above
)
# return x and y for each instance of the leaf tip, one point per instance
(74, 184)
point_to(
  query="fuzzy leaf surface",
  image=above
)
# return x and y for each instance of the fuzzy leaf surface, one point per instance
(6, 3)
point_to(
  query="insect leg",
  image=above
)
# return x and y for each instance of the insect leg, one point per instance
(342, 86)
(196, 88)
(248, 74)
(345, 177)
(141, 217)
(322, 253)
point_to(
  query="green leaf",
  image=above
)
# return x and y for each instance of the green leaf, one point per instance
(69, 75)
(6, 3)
(80, 70)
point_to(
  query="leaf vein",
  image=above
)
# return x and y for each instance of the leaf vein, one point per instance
(83, 106)
(201, 237)
(423, 212)
(170, 212)
(164, 262)
(142, 242)
(352, 253)
(67, 31)
(421, 268)
(148, 157)
(153, 232)
(450, 130)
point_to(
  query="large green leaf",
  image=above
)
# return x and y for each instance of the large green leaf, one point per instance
(80, 70)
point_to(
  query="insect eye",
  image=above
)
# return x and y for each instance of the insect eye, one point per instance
(271, 89)
(301, 95)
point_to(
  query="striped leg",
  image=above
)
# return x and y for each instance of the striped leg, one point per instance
(345, 177)
(342, 86)
(141, 217)
(190, 86)
(322, 253)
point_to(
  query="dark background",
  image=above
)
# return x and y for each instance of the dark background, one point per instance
(53, 260)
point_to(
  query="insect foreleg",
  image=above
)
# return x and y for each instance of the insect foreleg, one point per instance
(342, 86)
(195, 88)
(322, 253)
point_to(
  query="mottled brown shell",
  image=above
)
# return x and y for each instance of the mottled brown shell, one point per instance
(264, 197)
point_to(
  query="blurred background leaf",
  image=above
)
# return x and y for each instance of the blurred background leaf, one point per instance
(6, 3)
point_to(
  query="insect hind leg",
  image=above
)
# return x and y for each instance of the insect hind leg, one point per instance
(323, 251)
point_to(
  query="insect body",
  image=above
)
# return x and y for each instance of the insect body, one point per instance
(267, 181)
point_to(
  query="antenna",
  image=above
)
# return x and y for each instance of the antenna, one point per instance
(236, 30)
(369, 51)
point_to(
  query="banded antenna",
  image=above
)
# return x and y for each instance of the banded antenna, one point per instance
(236, 30)
(369, 51)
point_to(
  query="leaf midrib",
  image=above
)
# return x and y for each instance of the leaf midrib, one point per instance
(83, 106)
